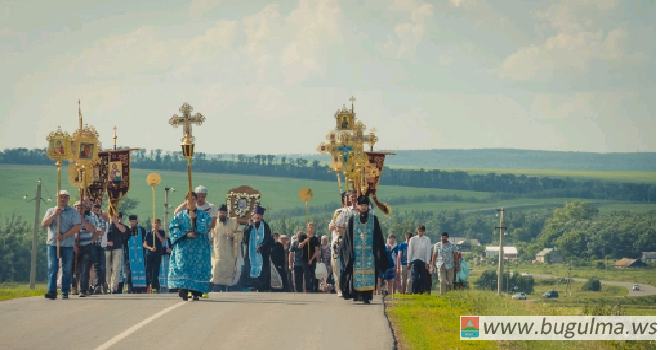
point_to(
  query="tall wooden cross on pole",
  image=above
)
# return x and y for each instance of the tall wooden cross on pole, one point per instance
(188, 145)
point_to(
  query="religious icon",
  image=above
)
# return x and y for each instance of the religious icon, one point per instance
(115, 171)
(97, 175)
(242, 204)
(86, 150)
(344, 125)
(58, 147)
(323, 148)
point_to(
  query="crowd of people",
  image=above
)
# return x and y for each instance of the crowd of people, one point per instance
(204, 249)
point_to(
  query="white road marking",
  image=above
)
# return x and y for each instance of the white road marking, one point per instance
(132, 330)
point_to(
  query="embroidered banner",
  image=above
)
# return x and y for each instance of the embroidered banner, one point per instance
(118, 177)
(97, 188)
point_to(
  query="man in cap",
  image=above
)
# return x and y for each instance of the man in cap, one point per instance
(258, 240)
(226, 240)
(363, 253)
(69, 226)
(202, 204)
(134, 254)
(190, 263)
(89, 232)
(153, 243)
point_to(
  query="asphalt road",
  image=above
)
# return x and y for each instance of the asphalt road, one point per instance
(644, 289)
(238, 320)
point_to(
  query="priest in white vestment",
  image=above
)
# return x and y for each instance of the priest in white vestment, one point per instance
(226, 240)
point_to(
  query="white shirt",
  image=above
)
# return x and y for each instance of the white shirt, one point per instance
(420, 248)
(209, 208)
(337, 222)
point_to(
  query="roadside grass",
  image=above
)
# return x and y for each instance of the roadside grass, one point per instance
(15, 290)
(433, 322)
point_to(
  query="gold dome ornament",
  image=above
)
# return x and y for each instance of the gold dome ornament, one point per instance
(305, 194)
(153, 179)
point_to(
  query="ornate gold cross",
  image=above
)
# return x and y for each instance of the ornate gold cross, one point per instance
(187, 120)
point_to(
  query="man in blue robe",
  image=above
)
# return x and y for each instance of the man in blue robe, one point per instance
(134, 254)
(258, 241)
(190, 263)
(363, 253)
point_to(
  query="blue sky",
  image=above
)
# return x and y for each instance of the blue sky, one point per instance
(563, 75)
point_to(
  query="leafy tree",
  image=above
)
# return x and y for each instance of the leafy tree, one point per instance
(592, 284)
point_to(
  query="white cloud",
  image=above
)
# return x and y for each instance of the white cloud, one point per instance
(409, 34)
(263, 30)
(565, 52)
(456, 2)
(316, 22)
(577, 43)
(122, 54)
(7, 12)
(221, 36)
(198, 7)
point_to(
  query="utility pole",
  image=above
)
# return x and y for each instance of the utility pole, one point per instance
(33, 258)
(569, 288)
(501, 255)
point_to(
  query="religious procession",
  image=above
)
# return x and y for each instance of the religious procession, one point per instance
(206, 248)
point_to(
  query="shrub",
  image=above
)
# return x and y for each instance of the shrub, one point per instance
(592, 284)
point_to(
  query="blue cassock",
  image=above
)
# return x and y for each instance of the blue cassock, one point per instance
(190, 263)
(136, 259)
(164, 265)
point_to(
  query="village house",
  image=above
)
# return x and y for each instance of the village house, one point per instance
(648, 257)
(629, 263)
(549, 256)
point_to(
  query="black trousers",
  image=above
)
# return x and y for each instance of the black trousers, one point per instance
(127, 269)
(86, 254)
(298, 275)
(153, 271)
(99, 267)
(419, 276)
(282, 273)
(310, 278)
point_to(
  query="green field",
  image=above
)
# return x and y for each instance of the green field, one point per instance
(277, 193)
(642, 276)
(614, 176)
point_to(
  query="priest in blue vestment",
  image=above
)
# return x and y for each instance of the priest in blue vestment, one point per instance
(134, 257)
(258, 241)
(190, 263)
(363, 254)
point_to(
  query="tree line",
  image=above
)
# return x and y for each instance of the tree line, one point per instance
(502, 186)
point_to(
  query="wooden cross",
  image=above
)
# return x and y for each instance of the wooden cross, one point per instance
(114, 136)
(186, 120)
(352, 99)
